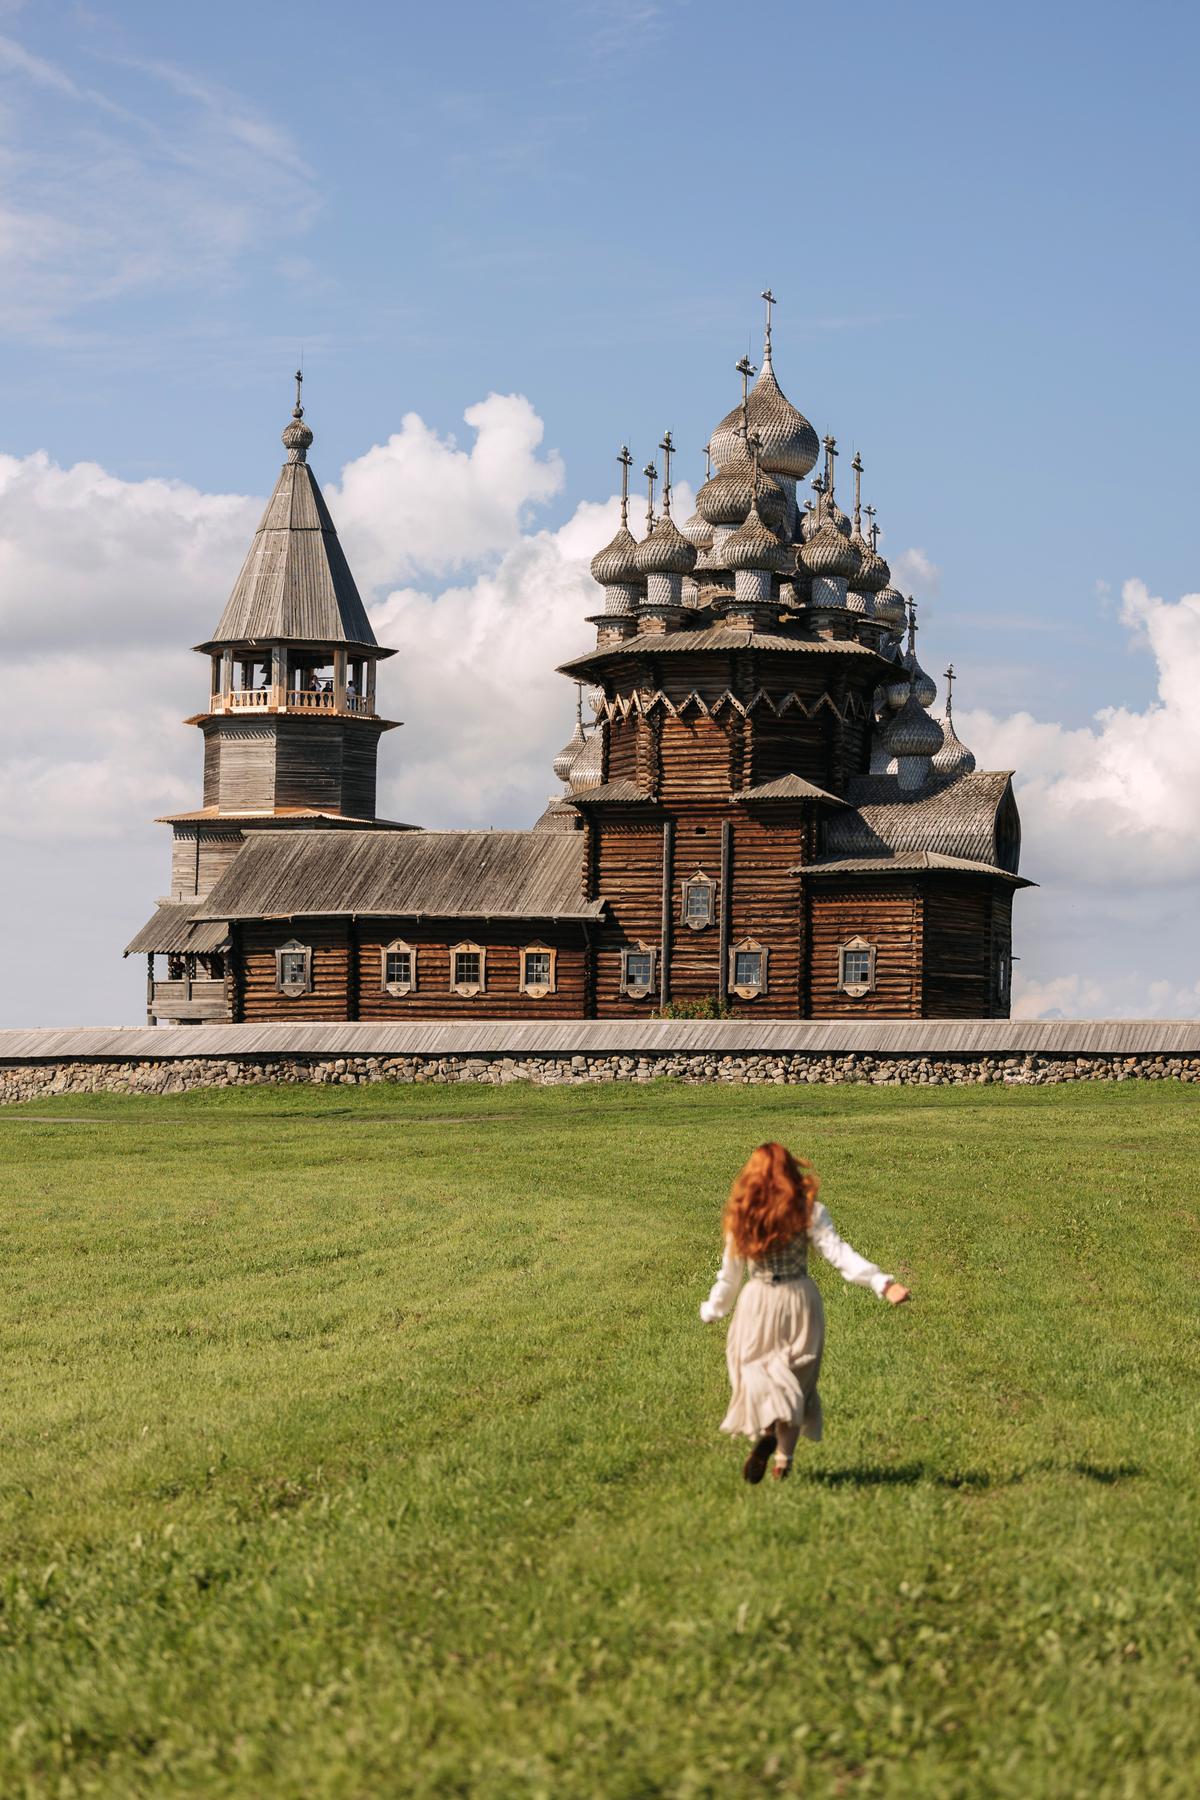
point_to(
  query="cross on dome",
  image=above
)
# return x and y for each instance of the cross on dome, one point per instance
(651, 474)
(626, 462)
(667, 446)
(771, 301)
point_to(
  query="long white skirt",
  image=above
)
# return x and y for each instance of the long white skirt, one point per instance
(773, 1351)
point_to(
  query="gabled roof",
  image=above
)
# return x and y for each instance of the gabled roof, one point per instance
(958, 817)
(295, 583)
(788, 787)
(404, 874)
(612, 793)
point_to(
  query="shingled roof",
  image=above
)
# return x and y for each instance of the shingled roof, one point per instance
(295, 583)
(173, 931)
(972, 816)
(409, 874)
(908, 863)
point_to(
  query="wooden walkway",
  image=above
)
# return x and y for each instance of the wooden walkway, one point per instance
(523, 1038)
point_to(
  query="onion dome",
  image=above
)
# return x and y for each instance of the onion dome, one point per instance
(953, 758)
(827, 552)
(614, 565)
(873, 573)
(586, 768)
(889, 604)
(924, 688)
(565, 759)
(666, 551)
(897, 690)
(728, 497)
(912, 732)
(698, 531)
(296, 436)
(789, 443)
(754, 546)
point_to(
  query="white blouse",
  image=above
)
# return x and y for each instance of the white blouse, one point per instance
(823, 1236)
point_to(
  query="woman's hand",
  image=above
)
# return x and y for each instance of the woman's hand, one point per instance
(894, 1294)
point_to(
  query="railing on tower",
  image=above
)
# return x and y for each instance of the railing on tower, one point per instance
(323, 700)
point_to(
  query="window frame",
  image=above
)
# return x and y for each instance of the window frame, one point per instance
(538, 990)
(294, 990)
(468, 989)
(1003, 982)
(698, 882)
(639, 992)
(856, 990)
(398, 946)
(747, 990)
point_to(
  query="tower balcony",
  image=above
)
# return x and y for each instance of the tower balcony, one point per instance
(329, 680)
(325, 700)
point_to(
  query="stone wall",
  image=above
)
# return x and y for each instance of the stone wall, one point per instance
(177, 1075)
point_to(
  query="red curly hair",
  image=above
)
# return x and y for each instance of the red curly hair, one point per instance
(770, 1202)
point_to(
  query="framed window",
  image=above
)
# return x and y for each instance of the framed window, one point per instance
(468, 969)
(748, 969)
(637, 971)
(538, 970)
(399, 967)
(699, 901)
(293, 969)
(1003, 977)
(856, 967)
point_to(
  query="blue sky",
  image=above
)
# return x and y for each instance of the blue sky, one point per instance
(978, 221)
(980, 226)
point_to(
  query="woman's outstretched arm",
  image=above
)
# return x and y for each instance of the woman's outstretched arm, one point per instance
(725, 1287)
(848, 1263)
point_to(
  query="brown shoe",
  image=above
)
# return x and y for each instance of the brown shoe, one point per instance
(781, 1471)
(755, 1465)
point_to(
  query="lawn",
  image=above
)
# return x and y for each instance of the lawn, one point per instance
(363, 1442)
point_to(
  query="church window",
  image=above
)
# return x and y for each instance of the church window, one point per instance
(856, 968)
(468, 969)
(748, 969)
(1003, 977)
(637, 971)
(699, 901)
(293, 969)
(538, 970)
(399, 967)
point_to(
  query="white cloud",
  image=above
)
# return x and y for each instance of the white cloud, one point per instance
(913, 572)
(422, 502)
(1117, 802)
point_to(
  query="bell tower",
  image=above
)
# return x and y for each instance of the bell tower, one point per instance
(291, 728)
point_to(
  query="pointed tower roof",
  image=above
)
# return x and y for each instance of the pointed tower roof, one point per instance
(295, 583)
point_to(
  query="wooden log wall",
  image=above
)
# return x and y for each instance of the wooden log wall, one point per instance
(347, 970)
(628, 872)
(200, 855)
(309, 763)
(792, 745)
(360, 756)
(329, 941)
(765, 902)
(968, 927)
(240, 764)
(502, 998)
(888, 914)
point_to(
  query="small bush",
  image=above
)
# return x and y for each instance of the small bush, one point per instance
(708, 1008)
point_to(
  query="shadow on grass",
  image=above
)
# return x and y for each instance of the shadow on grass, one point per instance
(913, 1474)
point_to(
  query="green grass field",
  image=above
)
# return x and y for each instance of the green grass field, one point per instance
(363, 1442)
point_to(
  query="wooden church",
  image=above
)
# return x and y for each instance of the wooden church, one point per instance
(764, 817)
